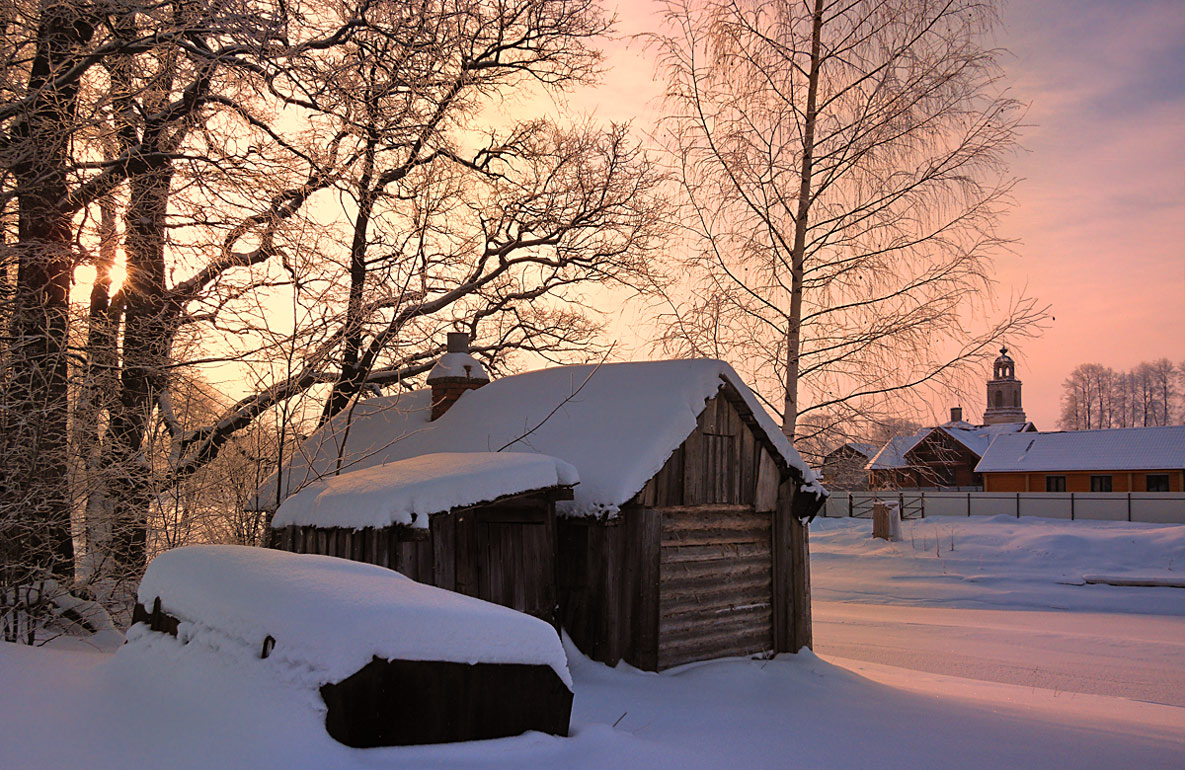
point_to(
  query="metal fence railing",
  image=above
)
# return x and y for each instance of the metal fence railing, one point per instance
(1151, 507)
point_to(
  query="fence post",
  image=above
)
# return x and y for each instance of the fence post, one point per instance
(850, 513)
(968, 505)
(1129, 506)
(1071, 506)
(923, 505)
(1018, 505)
(901, 503)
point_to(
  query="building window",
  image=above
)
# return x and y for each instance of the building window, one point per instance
(1055, 483)
(1100, 483)
(1157, 482)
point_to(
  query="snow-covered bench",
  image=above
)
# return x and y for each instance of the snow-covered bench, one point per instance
(396, 662)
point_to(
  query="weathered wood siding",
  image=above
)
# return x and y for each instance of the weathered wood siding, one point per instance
(503, 553)
(407, 702)
(716, 583)
(608, 586)
(706, 561)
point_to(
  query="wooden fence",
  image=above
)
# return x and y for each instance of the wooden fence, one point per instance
(1150, 507)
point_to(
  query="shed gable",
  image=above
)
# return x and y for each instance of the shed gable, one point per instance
(724, 460)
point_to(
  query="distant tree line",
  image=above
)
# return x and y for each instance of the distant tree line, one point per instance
(1096, 396)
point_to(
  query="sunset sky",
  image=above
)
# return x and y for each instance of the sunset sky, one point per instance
(1100, 213)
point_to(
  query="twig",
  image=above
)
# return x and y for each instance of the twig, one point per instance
(558, 406)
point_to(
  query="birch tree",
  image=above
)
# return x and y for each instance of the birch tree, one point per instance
(843, 168)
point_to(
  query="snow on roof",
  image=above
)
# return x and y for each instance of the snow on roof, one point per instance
(868, 450)
(892, 454)
(616, 423)
(330, 617)
(978, 438)
(1158, 448)
(409, 491)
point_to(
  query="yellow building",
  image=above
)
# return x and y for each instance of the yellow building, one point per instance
(1116, 460)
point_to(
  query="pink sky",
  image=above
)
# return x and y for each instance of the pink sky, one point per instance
(1100, 213)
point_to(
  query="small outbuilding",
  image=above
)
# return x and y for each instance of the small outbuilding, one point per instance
(686, 537)
(396, 662)
(479, 523)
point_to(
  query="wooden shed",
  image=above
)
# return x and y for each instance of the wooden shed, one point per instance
(417, 664)
(709, 559)
(685, 538)
(481, 524)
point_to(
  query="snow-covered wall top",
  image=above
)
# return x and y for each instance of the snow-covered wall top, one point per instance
(329, 617)
(616, 423)
(408, 491)
(1135, 449)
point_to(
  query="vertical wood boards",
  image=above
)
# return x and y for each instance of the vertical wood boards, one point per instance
(800, 554)
(765, 493)
(609, 586)
(502, 552)
(405, 702)
(783, 571)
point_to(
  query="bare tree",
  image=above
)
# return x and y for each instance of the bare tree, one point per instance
(207, 145)
(1097, 397)
(843, 170)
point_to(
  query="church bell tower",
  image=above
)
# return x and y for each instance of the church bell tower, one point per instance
(1003, 393)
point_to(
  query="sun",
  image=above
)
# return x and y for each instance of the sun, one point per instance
(84, 278)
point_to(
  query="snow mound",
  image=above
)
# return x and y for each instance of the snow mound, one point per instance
(330, 617)
(409, 491)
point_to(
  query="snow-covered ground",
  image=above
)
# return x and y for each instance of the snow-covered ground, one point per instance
(999, 597)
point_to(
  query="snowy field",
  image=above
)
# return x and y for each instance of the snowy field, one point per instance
(996, 654)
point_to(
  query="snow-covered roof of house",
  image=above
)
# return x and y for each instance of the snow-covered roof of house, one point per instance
(409, 491)
(978, 438)
(868, 450)
(1157, 448)
(892, 454)
(330, 617)
(616, 423)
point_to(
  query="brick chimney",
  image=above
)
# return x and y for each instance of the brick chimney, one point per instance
(455, 373)
(956, 414)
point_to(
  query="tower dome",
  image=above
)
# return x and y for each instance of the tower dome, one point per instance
(1003, 392)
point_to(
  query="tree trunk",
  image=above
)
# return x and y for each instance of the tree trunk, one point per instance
(149, 327)
(34, 468)
(797, 257)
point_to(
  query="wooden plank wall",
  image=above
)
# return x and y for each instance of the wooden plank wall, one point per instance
(716, 583)
(608, 575)
(716, 464)
(702, 564)
(503, 553)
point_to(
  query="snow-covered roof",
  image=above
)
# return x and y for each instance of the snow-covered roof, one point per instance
(892, 454)
(1158, 448)
(616, 423)
(868, 450)
(330, 617)
(409, 491)
(978, 438)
